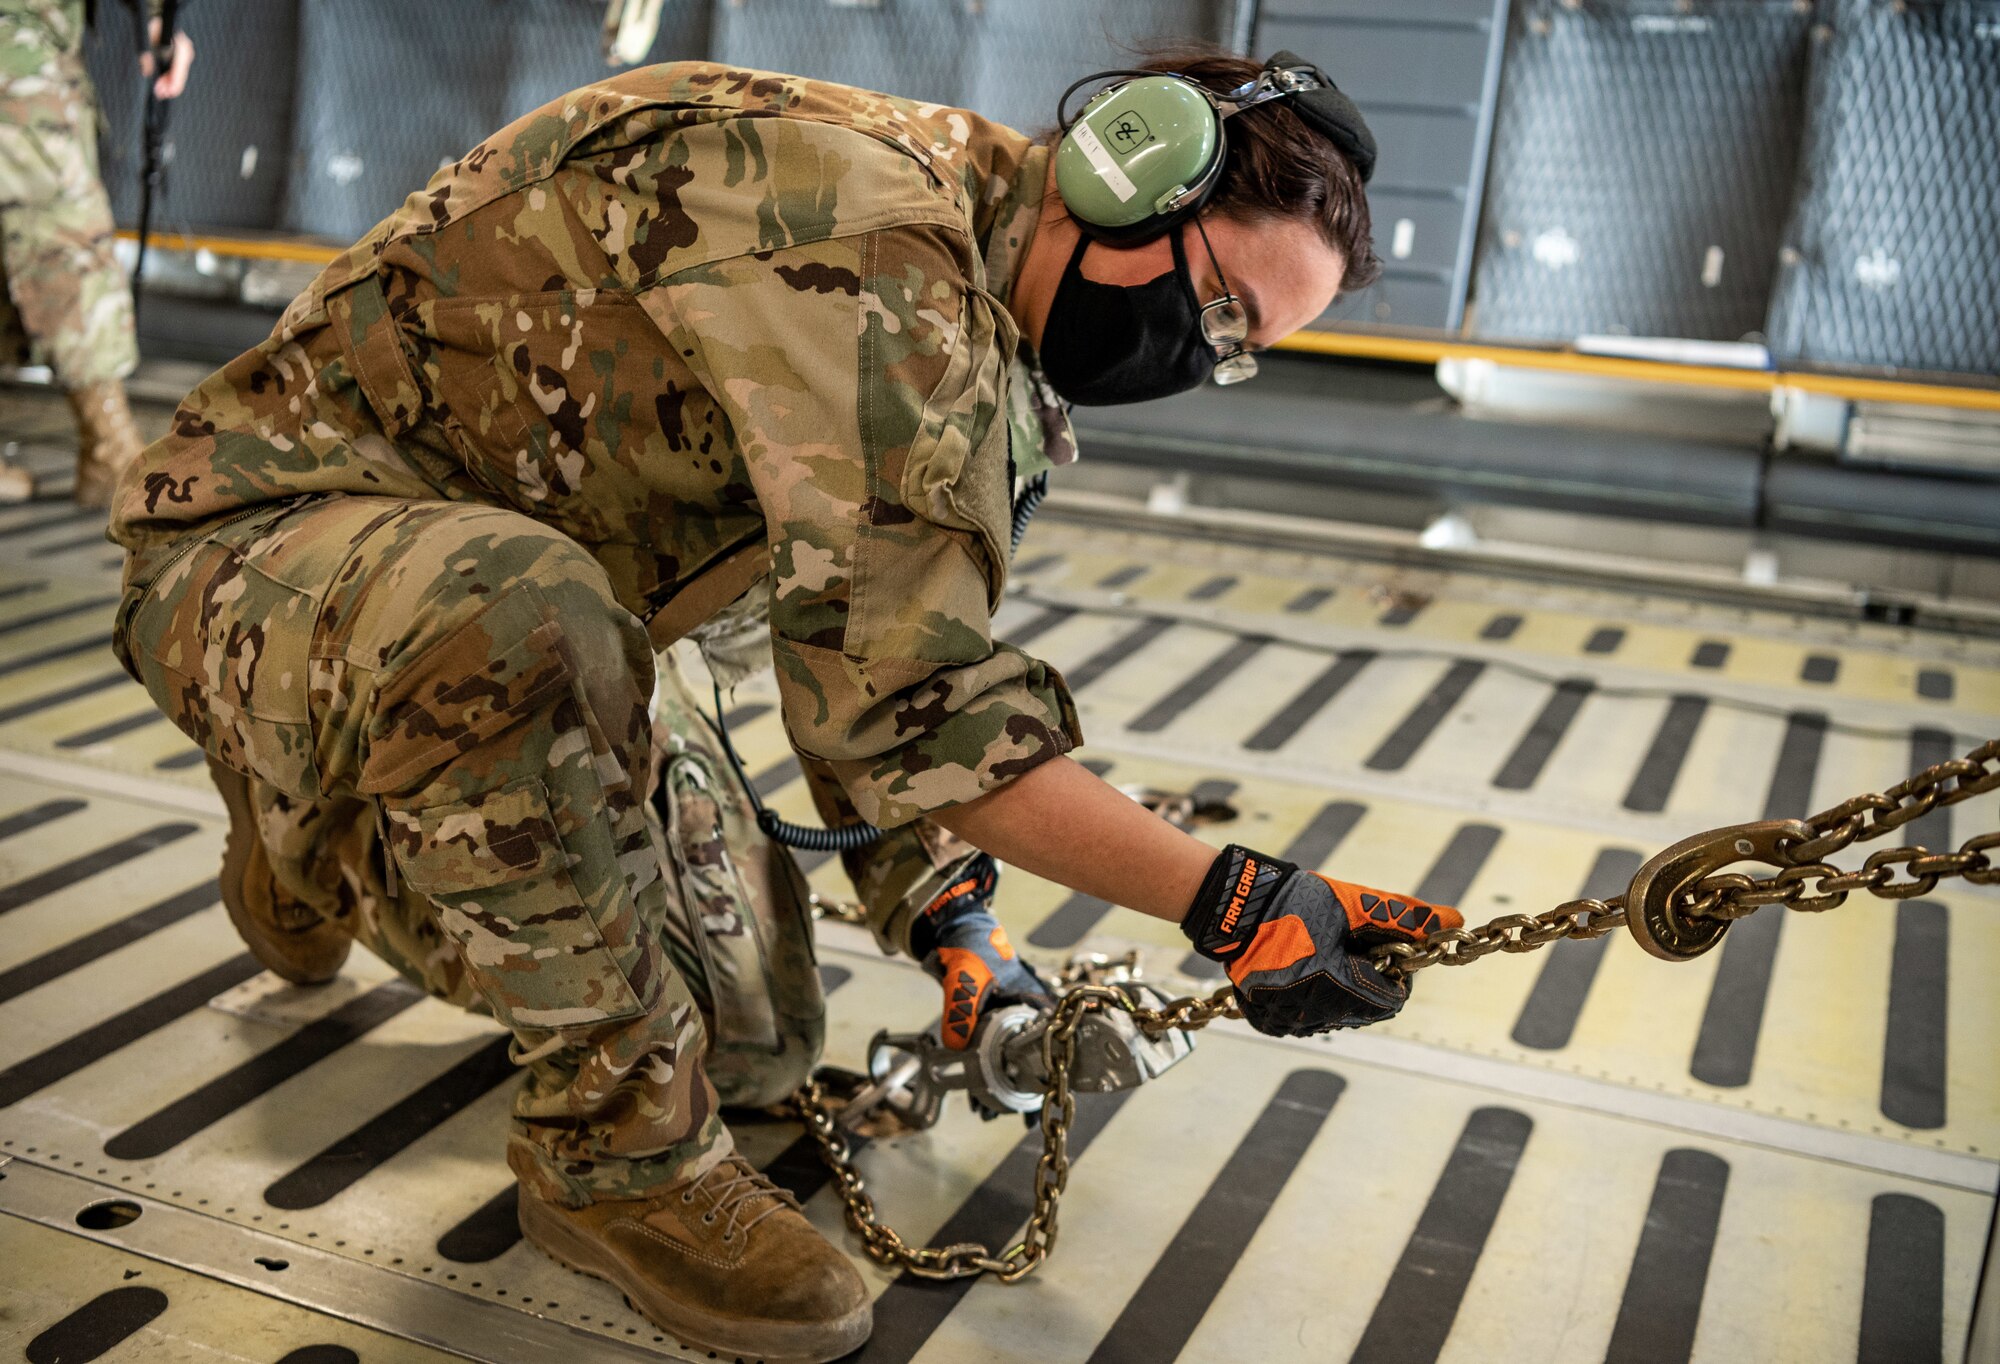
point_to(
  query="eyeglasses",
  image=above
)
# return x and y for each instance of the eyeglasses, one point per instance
(1225, 326)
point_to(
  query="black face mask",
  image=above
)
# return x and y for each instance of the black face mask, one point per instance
(1113, 343)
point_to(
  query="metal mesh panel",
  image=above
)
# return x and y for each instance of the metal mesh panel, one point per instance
(1008, 59)
(1028, 51)
(1642, 167)
(389, 91)
(229, 135)
(1895, 245)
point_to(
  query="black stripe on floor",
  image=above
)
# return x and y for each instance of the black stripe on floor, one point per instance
(60, 961)
(177, 762)
(1310, 849)
(1452, 875)
(1661, 768)
(112, 729)
(1914, 1050)
(35, 816)
(1162, 1315)
(744, 714)
(486, 1233)
(1213, 588)
(1116, 652)
(95, 644)
(68, 873)
(1725, 1049)
(1400, 615)
(776, 777)
(1124, 577)
(1415, 1312)
(1022, 635)
(1524, 765)
(1819, 669)
(1669, 1275)
(321, 1354)
(1902, 1294)
(1072, 920)
(75, 608)
(160, 1132)
(22, 589)
(76, 691)
(1278, 730)
(831, 978)
(911, 1309)
(98, 1327)
(1710, 653)
(1935, 684)
(1218, 670)
(1604, 640)
(1424, 718)
(73, 1053)
(1501, 626)
(1034, 565)
(1309, 599)
(1569, 968)
(1928, 748)
(77, 543)
(1797, 768)
(67, 516)
(395, 1129)
(1732, 1023)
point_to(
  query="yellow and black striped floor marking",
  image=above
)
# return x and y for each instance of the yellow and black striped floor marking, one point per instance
(1784, 1151)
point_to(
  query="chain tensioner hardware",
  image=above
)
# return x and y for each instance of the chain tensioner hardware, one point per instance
(1678, 905)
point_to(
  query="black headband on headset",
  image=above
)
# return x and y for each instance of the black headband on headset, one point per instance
(1314, 97)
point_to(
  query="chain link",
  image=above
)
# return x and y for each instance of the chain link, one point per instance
(1808, 884)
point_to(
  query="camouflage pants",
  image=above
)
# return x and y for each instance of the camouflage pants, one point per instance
(64, 300)
(445, 714)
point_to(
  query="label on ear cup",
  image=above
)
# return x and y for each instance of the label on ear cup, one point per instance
(1108, 170)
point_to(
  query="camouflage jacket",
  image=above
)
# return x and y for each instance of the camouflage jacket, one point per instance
(712, 324)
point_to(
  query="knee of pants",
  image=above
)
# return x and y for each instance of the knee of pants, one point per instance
(502, 751)
(529, 628)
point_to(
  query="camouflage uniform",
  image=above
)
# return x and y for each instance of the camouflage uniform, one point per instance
(64, 300)
(679, 336)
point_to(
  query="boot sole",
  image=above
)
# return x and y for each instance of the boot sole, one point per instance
(746, 1342)
(234, 789)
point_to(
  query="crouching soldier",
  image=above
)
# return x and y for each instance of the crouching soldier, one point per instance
(689, 340)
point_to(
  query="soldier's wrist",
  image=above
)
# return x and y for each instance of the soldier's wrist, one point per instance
(1233, 900)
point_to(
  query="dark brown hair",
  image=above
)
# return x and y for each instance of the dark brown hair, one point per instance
(1278, 167)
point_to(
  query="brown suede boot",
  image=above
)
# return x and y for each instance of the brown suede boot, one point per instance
(292, 940)
(725, 1262)
(107, 441)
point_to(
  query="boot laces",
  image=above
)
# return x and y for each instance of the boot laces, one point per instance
(731, 1187)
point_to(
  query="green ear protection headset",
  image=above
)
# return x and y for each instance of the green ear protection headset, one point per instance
(1144, 154)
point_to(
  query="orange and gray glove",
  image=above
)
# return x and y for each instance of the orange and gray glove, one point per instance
(960, 942)
(1295, 943)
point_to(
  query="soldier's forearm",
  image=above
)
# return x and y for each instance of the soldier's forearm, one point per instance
(1060, 822)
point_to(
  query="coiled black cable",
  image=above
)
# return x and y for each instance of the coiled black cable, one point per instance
(1026, 502)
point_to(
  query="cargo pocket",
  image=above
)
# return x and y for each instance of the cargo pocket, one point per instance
(222, 649)
(499, 874)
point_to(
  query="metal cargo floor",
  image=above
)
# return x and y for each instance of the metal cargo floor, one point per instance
(1783, 1151)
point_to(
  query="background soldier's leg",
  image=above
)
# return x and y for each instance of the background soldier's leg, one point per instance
(468, 671)
(63, 275)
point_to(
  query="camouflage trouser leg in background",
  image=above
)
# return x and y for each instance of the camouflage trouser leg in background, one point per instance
(64, 300)
(462, 676)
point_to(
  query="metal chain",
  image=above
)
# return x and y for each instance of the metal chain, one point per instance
(1807, 884)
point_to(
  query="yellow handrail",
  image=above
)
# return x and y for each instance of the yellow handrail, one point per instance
(1372, 346)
